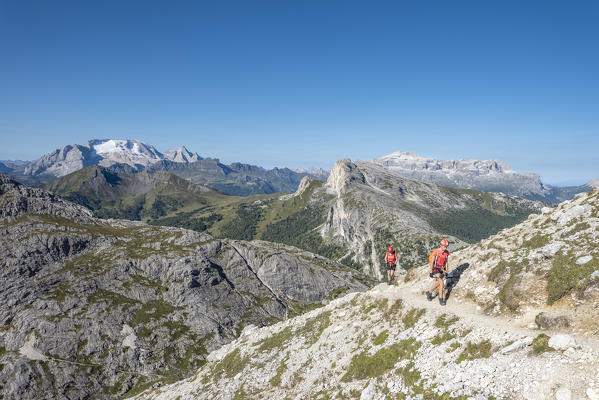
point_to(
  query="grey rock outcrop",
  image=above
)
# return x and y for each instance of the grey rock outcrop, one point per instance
(106, 152)
(485, 175)
(17, 200)
(96, 308)
(182, 155)
(373, 207)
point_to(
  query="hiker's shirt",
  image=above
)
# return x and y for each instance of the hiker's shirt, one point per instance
(440, 261)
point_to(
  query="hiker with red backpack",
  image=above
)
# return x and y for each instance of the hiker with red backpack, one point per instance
(391, 259)
(438, 263)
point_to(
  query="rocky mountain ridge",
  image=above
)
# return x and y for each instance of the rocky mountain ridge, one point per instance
(373, 207)
(102, 308)
(361, 209)
(386, 343)
(132, 156)
(543, 271)
(520, 323)
(485, 175)
(105, 152)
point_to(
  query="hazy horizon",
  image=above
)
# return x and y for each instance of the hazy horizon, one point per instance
(304, 84)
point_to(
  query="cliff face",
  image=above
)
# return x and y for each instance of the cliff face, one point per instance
(373, 207)
(485, 175)
(102, 307)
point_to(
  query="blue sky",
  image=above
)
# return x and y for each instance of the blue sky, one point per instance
(304, 83)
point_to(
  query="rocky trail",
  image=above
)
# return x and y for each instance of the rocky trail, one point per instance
(518, 325)
(391, 343)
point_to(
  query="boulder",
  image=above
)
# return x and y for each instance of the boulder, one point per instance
(562, 342)
(563, 393)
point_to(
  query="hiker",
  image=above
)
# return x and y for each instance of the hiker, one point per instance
(391, 261)
(438, 263)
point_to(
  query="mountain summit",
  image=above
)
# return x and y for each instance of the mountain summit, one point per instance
(106, 153)
(486, 175)
(182, 155)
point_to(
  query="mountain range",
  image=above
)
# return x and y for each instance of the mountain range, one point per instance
(352, 217)
(109, 308)
(485, 175)
(132, 156)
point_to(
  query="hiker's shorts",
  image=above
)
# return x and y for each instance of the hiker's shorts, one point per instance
(390, 267)
(437, 272)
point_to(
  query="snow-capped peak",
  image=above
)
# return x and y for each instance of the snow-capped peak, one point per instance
(182, 155)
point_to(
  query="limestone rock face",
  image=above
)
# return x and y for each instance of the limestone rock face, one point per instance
(371, 207)
(389, 343)
(96, 307)
(485, 175)
(545, 268)
(17, 200)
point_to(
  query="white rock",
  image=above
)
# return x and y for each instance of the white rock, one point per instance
(583, 260)
(595, 275)
(545, 210)
(551, 249)
(369, 392)
(130, 338)
(248, 329)
(562, 342)
(337, 328)
(479, 290)
(573, 354)
(517, 345)
(592, 394)
(572, 213)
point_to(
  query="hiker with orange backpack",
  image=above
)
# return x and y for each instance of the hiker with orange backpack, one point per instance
(438, 263)
(391, 259)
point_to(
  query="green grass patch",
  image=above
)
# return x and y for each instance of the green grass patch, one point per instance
(364, 366)
(565, 275)
(475, 350)
(540, 344)
(442, 338)
(232, 364)
(276, 380)
(583, 226)
(239, 394)
(536, 241)
(275, 341)
(412, 316)
(314, 327)
(152, 310)
(381, 338)
(444, 321)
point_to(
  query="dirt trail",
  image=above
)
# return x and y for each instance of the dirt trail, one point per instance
(472, 313)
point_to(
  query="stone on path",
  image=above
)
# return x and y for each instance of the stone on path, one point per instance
(562, 342)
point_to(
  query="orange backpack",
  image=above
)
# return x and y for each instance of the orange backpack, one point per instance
(431, 257)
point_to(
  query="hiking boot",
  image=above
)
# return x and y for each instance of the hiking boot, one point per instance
(442, 301)
(429, 296)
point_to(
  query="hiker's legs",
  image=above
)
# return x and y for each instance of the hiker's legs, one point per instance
(435, 283)
(391, 273)
(441, 285)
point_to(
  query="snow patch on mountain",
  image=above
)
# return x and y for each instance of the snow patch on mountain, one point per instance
(105, 152)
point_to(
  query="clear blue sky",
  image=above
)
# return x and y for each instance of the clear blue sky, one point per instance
(304, 83)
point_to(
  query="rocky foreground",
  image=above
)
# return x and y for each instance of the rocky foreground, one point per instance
(521, 322)
(390, 344)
